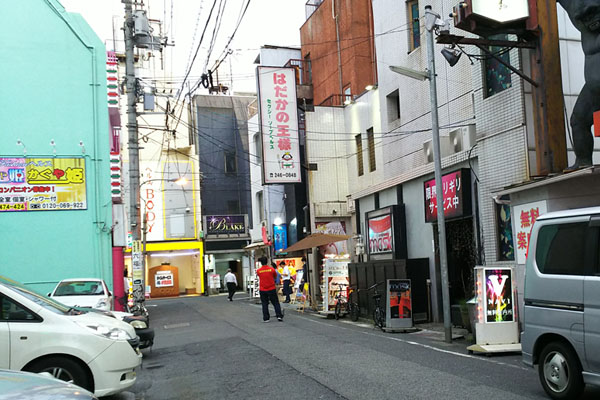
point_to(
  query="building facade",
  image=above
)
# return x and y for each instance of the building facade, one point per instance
(55, 170)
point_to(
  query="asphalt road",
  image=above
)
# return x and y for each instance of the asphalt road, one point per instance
(210, 348)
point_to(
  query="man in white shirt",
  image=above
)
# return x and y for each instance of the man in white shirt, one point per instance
(231, 283)
(285, 277)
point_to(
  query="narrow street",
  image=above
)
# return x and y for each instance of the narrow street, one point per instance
(209, 348)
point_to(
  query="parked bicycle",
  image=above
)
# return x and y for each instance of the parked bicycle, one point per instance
(347, 304)
(379, 311)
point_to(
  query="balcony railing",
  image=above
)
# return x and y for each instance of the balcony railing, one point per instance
(303, 71)
(337, 100)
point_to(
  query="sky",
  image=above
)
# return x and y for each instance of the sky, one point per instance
(266, 22)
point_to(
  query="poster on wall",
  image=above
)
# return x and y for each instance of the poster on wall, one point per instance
(457, 195)
(335, 276)
(42, 184)
(380, 235)
(524, 217)
(499, 305)
(279, 124)
(163, 279)
(214, 281)
(333, 228)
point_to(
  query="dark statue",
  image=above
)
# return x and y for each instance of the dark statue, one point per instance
(585, 15)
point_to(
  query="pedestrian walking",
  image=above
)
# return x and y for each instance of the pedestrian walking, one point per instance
(231, 283)
(266, 275)
(286, 276)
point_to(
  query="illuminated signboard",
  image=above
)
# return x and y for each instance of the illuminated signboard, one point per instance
(226, 225)
(498, 300)
(399, 299)
(279, 124)
(457, 195)
(380, 235)
(42, 184)
(280, 241)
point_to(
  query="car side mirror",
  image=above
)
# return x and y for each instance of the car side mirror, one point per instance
(109, 293)
(49, 294)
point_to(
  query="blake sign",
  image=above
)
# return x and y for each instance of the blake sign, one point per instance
(225, 225)
(380, 234)
(456, 188)
(279, 124)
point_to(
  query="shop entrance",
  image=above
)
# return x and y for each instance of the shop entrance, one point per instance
(462, 258)
(232, 261)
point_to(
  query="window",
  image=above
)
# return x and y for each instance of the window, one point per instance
(497, 76)
(561, 249)
(347, 95)
(80, 288)
(506, 250)
(393, 105)
(230, 163)
(260, 205)
(11, 311)
(371, 144)
(359, 154)
(414, 24)
(258, 147)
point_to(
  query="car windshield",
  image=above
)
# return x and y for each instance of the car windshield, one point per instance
(38, 299)
(79, 288)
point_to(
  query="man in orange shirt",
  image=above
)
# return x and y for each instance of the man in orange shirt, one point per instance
(266, 275)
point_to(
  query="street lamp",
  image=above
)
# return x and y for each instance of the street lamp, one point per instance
(433, 22)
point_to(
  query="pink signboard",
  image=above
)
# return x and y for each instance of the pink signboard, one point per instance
(380, 235)
(457, 195)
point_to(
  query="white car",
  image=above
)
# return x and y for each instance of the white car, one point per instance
(85, 292)
(91, 350)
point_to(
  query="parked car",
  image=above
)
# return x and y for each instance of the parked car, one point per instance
(91, 350)
(25, 385)
(91, 293)
(86, 292)
(561, 320)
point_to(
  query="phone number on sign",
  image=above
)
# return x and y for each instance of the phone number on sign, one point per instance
(13, 207)
(283, 175)
(58, 206)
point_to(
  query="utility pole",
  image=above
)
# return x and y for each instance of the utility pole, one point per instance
(430, 24)
(133, 145)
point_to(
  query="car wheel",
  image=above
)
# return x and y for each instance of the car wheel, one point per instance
(560, 372)
(64, 369)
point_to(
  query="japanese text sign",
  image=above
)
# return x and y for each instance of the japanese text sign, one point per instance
(380, 234)
(498, 296)
(456, 188)
(279, 124)
(42, 184)
(524, 217)
(163, 279)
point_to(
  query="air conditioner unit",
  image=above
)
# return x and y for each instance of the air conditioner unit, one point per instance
(463, 138)
(445, 147)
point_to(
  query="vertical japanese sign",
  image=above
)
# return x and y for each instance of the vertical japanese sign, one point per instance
(336, 279)
(524, 217)
(151, 193)
(380, 235)
(498, 296)
(42, 184)
(457, 195)
(279, 124)
(137, 270)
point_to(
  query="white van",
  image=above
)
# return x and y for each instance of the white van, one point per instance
(561, 320)
(38, 334)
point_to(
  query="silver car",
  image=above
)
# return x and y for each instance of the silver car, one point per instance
(17, 385)
(561, 321)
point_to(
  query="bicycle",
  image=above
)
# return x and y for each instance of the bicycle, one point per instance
(341, 305)
(353, 307)
(379, 311)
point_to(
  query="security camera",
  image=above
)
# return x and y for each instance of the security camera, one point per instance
(187, 210)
